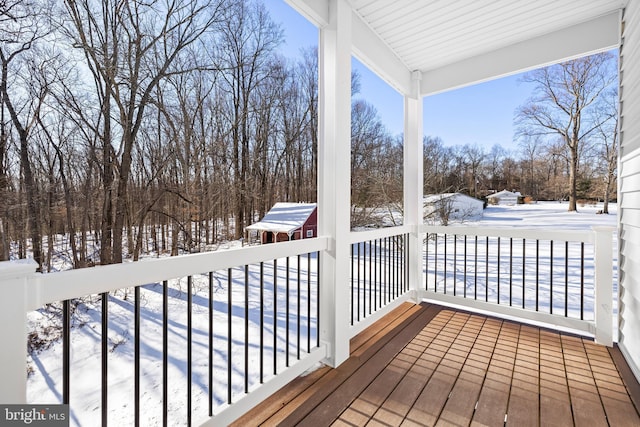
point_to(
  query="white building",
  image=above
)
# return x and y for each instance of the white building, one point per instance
(452, 206)
(504, 197)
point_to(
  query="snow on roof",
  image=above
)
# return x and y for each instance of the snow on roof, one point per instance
(433, 198)
(504, 193)
(284, 217)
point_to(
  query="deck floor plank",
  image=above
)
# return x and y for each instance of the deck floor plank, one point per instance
(431, 365)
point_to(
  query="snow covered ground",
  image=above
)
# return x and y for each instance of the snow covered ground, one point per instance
(45, 381)
(542, 273)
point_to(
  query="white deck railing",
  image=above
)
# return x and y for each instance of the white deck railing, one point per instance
(561, 278)
(459, 269)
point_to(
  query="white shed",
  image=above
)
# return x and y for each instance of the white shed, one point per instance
(452, 206)
(504, 197)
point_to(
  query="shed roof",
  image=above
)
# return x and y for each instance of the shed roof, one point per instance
(504, 193)
(284, 217)
(433, 198)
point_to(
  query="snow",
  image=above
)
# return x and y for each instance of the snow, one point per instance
(284, 217)
(45, 382)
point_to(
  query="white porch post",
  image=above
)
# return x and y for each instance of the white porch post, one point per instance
(603, 275)
(413, 180)
(14, 281)
(334, 178)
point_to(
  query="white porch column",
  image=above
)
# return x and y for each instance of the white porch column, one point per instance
(14, 282)
(334, 178)
(413, 180)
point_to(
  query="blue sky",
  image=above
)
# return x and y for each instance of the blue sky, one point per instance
(481, 114)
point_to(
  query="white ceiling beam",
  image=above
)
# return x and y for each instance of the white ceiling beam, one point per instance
(378, 57)
(367, 45)
(316, 11)
(590, 37)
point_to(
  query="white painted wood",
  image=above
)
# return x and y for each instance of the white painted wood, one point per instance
(629, 187)
(603, 248)
(413, 187)
(15, 278)
(586, 38)
(375, 54)
(227, 414)
(515, 232)
(517, 314)
(316, 11)
(64, 285)
(379, 233)
(334, 165)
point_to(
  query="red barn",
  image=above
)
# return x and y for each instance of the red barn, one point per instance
(287, 221)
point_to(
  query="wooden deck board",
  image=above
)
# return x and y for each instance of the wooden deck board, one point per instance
(430, 365)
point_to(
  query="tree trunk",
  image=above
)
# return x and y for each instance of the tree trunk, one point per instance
(573, 178)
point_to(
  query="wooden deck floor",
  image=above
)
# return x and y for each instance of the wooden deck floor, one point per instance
(428, 365)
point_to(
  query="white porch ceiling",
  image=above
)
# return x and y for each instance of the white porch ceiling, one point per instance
(459, 42)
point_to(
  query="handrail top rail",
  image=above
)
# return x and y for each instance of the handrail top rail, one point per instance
(519, 233)
(379, 233)
(59, 286)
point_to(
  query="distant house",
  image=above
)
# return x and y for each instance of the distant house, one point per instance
(504, 197)
(287, 221)
(452, 206)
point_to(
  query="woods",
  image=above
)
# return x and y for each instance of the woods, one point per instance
(167, 126)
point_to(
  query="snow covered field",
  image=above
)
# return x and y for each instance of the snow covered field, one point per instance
(290, 299)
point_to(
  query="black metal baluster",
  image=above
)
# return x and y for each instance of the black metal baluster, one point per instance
(165, 352)
(566, 279)
(189, 346)
(582, 281)
(66, 351)
(524, 267)
(211, 343)
(359, 283)
(105, 352)
(537, 274)
(499, 247)
(246, 328)
(261, 323)
(136, 355)
(229, 335)
(551, 278)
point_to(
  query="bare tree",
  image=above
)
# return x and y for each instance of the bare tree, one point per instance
(607, 134)
(24, 24)
(475, 156)
(130, 47)
(563, 95)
